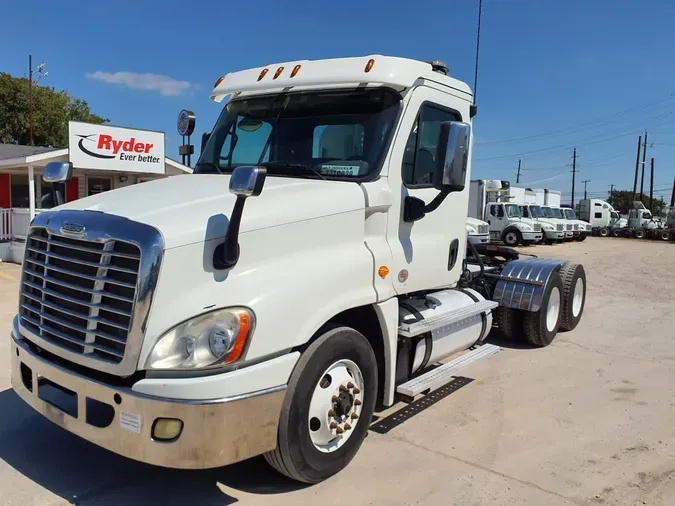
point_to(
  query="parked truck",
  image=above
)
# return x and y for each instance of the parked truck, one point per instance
(490, 200)
(552, 228)
(268, 302)
(640, 224)
(478, 231)
(581, 229)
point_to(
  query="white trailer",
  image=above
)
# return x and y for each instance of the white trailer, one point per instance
(268, 302)
(491, 201)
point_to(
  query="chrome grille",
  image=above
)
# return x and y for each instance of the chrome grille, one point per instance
(560, 227)
(576, 226)
(483, 229)
(537, 227)
(78, 294)
(569, 227)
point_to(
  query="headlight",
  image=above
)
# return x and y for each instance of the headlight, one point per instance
(470, 230)
(208, 339)
(524, 227)
(548, 228)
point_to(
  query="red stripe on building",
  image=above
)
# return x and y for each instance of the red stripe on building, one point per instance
(72, 190)
(5, 195)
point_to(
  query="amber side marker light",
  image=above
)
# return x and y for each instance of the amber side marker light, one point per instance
(220, 80)
(278, 72)
(263, 73)
(383, 271)
(295, 70)
(369, 65)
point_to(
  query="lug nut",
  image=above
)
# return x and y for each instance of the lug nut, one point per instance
(356, 390)
(335, 398)
(339, 430)
(343, 388)
(350, 385)
(354, 416)
(357, 402)
(331, 413)
(348, 427)
(333, 425)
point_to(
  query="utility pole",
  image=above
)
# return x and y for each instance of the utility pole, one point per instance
(518, 174)
(611, 190)
(637, 166)
(644, 162)
(30, 99)
(585, 181)
(672, 195)
(574, 171)
(651, 188)
(475, 78)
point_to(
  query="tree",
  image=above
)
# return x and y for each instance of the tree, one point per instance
(52, 110)
(622, 201)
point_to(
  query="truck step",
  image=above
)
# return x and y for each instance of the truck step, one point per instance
(441, 320)
(438, 377)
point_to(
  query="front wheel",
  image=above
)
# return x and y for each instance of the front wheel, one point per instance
(664, 235)
(640, 233)
(328, 407)
(603, 232)
(512, 237)
(582, 238)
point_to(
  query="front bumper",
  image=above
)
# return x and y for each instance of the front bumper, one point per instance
(532, 236)
(555, 235)
(215, 433)
(479, 239)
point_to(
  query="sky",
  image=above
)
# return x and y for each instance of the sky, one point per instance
(553, 75)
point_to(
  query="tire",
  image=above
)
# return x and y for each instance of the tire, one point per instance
(573, 278)
(512, 237)
(540, 328)
(510, 322)
(296, 455)
(603, 232)
(615, 232)
(628, 233)
(664, 235)
(640, 233)
(582, 238)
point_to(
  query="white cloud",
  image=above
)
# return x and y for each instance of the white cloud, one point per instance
(167, 86)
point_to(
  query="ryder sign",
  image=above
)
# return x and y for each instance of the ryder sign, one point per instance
(114, 148)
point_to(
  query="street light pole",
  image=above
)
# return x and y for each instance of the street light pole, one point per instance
(30, 99)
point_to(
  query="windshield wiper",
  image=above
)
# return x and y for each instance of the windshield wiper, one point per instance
(209, 164)
(298, 166)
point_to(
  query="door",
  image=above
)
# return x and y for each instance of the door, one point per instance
(426, 253)
(97, 185)
(496, 218)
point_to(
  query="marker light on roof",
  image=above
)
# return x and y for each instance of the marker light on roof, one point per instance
(263, 73)
(278, 72)
(295, 70)
(369, 65)
(220, 80)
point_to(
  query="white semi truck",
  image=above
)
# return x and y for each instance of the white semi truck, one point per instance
(268, 302)
(491, 201)
(581, 228)
(553, 229)
(605, 221)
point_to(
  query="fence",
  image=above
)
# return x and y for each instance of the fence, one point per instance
(5, 225)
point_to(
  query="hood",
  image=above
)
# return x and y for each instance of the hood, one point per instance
(197, 207)
(473, 222)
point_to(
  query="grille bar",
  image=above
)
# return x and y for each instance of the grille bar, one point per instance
(78, 294)
(72, 340)
(79, 274)
(84, 248)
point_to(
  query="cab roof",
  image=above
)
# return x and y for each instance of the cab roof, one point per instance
(390, 71)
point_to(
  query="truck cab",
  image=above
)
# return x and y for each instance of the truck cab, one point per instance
(580, 226)
(311, 268)
(553, 230)
(641, 217)
(555, 215)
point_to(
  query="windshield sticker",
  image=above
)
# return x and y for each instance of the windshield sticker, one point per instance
(341, 170)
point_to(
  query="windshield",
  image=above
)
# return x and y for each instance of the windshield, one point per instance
(327, 134)
(614, 215)
(557, 213)
(548, 212)
(536, 212)
(647, 215)
(570, 214)
(513, 211)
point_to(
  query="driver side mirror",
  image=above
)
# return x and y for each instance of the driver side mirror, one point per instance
(58, 172)
(453, 156)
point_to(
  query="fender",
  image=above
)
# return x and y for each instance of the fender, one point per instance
(526, 282)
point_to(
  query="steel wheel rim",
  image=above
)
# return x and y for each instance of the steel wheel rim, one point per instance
(335, 406)
(577, 297)
(553, 310)
(511, 238)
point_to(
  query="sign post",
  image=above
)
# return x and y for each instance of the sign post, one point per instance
(186, 125)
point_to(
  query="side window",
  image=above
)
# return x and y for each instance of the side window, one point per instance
(419, 160)
(524, 211)
(250, 136)
(497, 211)
(598, 215)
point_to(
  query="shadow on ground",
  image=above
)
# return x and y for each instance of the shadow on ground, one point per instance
(83, 473)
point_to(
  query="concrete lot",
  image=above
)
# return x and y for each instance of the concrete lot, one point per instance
(588, 420)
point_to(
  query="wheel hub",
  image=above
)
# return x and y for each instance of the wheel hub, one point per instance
(344, 404)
